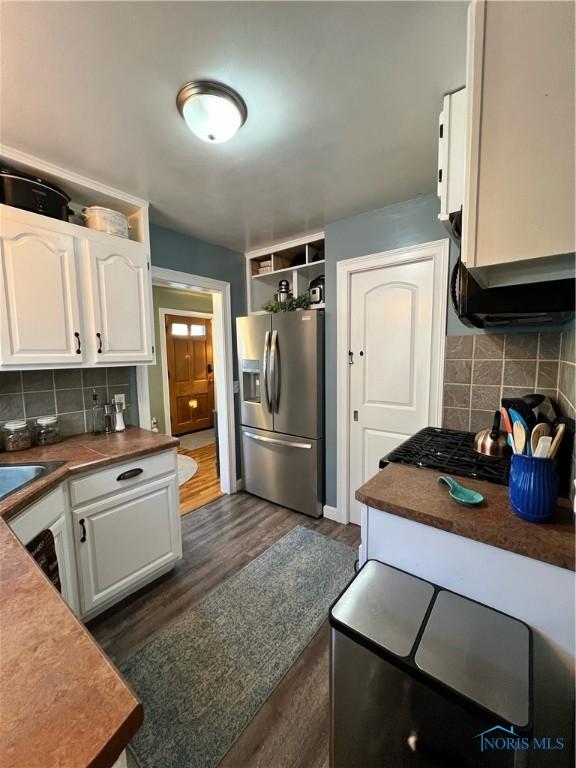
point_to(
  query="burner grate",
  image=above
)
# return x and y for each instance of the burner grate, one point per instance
(447, 450)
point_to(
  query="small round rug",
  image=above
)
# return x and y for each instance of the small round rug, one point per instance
(187, 468)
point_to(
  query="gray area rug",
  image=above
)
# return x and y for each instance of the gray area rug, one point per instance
(197, 439)
(203, 678)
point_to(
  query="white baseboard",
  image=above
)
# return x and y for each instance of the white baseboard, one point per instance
(332, 513)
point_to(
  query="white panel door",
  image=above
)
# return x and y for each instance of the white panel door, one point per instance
(119, 286)
(40, 321)
(391, 326)
(122, 541)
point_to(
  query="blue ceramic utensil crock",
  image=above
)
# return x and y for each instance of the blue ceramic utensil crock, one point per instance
(533, 487)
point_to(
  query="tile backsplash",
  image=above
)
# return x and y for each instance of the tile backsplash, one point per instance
(480, 369)
(566, 378)
(66, 393)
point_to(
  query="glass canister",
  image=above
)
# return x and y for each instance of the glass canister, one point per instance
(16, 436)
(47, 431)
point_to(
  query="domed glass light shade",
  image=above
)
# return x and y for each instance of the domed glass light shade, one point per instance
(211, 110)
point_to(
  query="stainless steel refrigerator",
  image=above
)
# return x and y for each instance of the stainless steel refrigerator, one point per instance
(281, 368)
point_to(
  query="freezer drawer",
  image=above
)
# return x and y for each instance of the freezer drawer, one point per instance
(284, 469)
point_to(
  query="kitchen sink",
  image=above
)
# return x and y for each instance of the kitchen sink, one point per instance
(16, 476)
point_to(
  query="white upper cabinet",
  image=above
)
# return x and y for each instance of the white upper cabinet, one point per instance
(451, 153)
(117, 284)
(71, 295)
(519, 188)
(40, 319)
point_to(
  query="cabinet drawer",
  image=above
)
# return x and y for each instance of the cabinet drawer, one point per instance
(121, 477)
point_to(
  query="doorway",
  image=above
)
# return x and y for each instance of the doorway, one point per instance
(193, 329)
(391, 334)
(190, 400)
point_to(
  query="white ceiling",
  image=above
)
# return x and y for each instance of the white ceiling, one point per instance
(343, 102)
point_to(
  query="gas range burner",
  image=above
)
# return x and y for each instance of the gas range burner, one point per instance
(446, 450)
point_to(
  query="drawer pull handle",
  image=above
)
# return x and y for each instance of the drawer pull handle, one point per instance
(83, 526)
(99, 337)
(78, 343)
(129, 474)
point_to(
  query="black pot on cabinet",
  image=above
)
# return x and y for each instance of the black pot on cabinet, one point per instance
(31, 193)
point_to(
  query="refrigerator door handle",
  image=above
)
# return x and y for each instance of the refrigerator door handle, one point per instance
(273, 440)
(265, 366)
(274, 372)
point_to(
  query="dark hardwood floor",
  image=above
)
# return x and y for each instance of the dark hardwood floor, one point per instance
(292, 726)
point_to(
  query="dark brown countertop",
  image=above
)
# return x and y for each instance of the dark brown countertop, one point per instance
(81, 453)
(414, 493)
(63, 703)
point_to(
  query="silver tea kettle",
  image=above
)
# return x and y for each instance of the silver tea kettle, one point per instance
(492, 442)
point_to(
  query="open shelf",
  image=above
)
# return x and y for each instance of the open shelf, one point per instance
(83, 192)
(298, 261)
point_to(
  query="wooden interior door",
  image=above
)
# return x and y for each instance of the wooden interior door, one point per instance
(190, 373)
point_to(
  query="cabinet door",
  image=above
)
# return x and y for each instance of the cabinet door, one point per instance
(65, 557)
(519, 199)
(119, 289)
(50, 513)
(122, 542)
(39, 291)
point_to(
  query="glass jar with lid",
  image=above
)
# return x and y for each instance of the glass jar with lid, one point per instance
(47, 431)
(16, 436)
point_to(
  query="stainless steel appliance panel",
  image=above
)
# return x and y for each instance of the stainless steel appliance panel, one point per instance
(284, 469)
(297, 373)
(253, 336)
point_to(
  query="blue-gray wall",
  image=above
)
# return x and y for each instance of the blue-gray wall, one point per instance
(173, 250)
(396, 226)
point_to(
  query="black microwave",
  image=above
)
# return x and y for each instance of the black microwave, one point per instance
(550, 302)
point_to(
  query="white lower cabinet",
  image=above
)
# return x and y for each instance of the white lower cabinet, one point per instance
(114, 530)
(125, 541)
(66, 565)
(51, 513)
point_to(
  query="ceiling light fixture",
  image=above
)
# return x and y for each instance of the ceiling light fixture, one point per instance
(211, 110)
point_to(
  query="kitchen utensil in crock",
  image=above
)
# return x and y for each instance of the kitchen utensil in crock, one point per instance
(525, 406)
(558, 435)
(506, 420)
(492, 442)
(518, 418)
(543, 447)
(459, 493)
(519, 437)
(540, 430)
